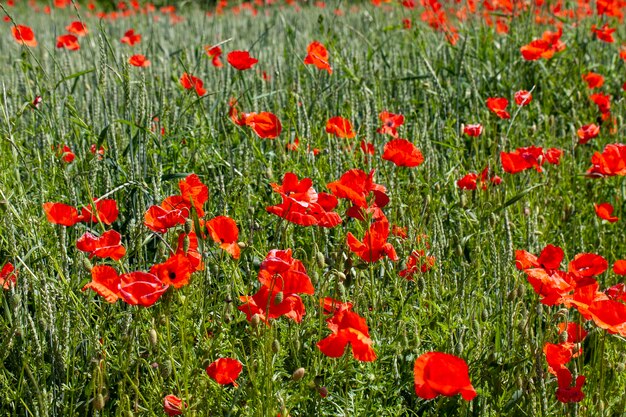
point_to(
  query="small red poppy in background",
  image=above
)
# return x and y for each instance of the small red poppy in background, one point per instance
(267, 305)
(472, 180)
(265, 124)
(66, 154)
(106, 246)
(141, 288)
(347, 328)
(130, 37)
(224, 231)
(391, 123)
(530, 157)
(498, 106)
(8, 276)
(593, 80)
(473, 130)
(241, 60)
(173, 406)
(214, 53)
(318, 55)
(69, 42)
(545, 47)
(575, 332)
(139, 61)
(105, 282)
(523, 98)
(77, 28)
(605, 212)
(587, 132)
(59, 213)
(225, 371)
(417, 261)
(619, 267)
(189, 81)
(437, 373)
(340, 127)
(605, 33)
(24, 35)
(402, 153)
(603, 101)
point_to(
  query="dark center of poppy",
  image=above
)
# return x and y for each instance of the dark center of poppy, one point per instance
(171, 275)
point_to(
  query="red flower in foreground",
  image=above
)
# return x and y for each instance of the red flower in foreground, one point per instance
(612, 161)
(8, 276)
(106, 212)
(474, 130)
(189, 81)
(587, 132)
(159, 218)
(59, 213)
(347, 327)
(374, 245)
(402, 153)
(173, 406)
(605, 212)
(340, 127)
(105, 282)
(523, 98)
(77, 28)
(106, 246)
(214, 53)
(225, 371)
(69, 42)
(619, 267)
(176, 271)
(265, 124)
(356, 186)
(24, 35)
(141, 288)
(138, 61)
(498, 106)
(268, 305)
(241, 60)
(130, 37)
(224, 231)
(391, 123)
(317, 55)
(439, 373)
(565, 393)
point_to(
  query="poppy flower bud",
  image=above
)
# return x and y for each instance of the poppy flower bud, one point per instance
(342, 290)
(323, 392)
(298, 374)
(279, 297)
(98, 402)
(166, 369)
(341, 276)
(152, 337)
(188, 226)
(242, 245)
(563, 336)
(620, 367)
(484, 315)
(275, 346)
(186, 244)
(86, 263)
(255, 321)
(319, 258)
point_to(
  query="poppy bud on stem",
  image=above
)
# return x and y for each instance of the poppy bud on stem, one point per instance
(298, 374)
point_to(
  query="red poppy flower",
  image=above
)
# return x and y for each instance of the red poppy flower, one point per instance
(565, 393)
(340, 127)
(59, 213)
(575, 333)
(531, 157)
(587, 265)
(141, 288)
(173, 406)
(214, 53)
(402, 153)
(194, 193)
(159, 219)
(69, 42)
(550, 258)
(138, 61)
(374, 245)
(176, 271)
(241, 60)
(356, 186)
(66, 154)
(587, 132)
(106, 212)
(545, 47)
(225, 371)
(130, 37)
(106, 246)
(268, 305)
(266, 125)
(24, 35)
(593, 80)
(188, 246)
(399, 231)
(612, 161)
(473, 130)
(391, 123)
(367, 148)
(609, 315)
(348, 327)
(105, 282)
(418, 261)
(468, 182)
(77, 28)
(605, 33)
(523, 98)
(280, 272)
(224, 231)
(603, 101)
(551, 286)
(557, 356)
(437, 373)
(8, 276)
(619, 267)
(605, 212)
(317, 55)
(189, 81)
(498, 106)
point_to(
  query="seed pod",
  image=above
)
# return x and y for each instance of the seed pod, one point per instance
(166, 369)
(242, 245)
(298, 374)
(86, 263)
(255, 321)
(98, 402)
(341, 276)
(152, 336)
(186, 244)
(188, 226)
(319, 258)
(275, 346)
(563, 336)
(279, 297)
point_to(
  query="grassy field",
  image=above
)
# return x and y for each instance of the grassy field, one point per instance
(67, 352)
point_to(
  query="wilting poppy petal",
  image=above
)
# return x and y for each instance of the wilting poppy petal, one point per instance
(173, 406)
